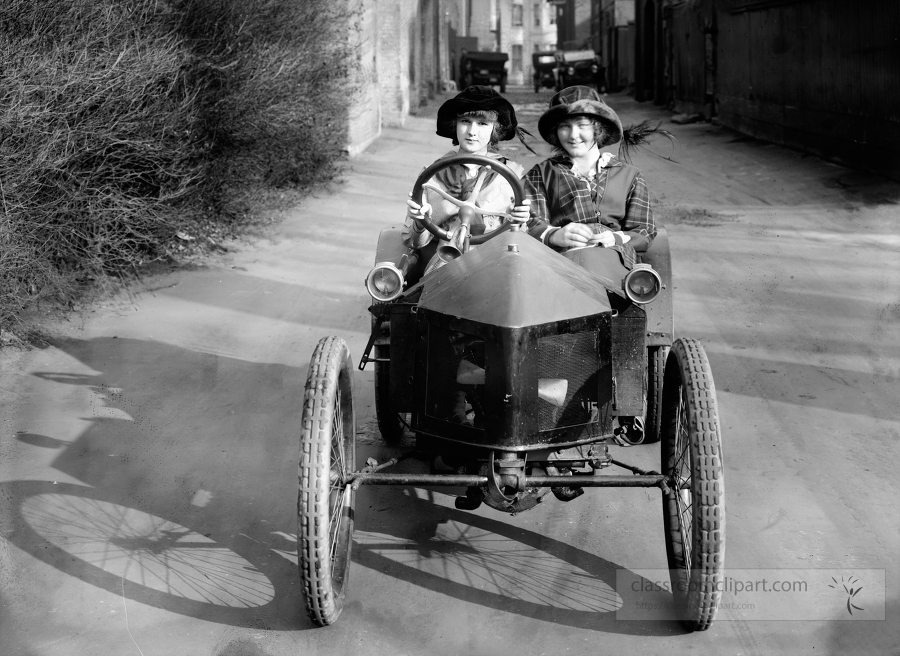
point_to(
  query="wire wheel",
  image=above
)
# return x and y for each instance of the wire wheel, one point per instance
(326, 500)
(694, 504)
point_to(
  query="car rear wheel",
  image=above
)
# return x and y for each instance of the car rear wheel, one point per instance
(325, 502)
(390, 422)
(656, 366)
(694, 504)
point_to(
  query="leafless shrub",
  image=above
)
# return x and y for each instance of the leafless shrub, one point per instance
(122, 121)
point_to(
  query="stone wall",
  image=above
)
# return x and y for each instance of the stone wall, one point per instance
(402, 53)
(364, 112)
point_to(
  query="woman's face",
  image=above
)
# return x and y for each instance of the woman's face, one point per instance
(474, 134)
(576, 135)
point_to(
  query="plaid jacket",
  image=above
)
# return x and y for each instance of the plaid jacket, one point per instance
(615, 199)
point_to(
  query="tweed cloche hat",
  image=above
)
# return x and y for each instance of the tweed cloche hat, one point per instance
(580, 101)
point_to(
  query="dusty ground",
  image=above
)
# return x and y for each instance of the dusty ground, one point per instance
(148, 455)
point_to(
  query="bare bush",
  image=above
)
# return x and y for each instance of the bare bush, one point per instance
(123, 121)
(273, 99)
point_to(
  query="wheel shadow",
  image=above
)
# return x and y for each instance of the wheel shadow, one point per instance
(182, 500)
(138, 553)
(480, 560)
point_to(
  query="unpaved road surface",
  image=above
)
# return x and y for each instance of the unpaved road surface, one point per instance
(148, 456)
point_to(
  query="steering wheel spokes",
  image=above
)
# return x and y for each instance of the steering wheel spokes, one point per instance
(470, 203)
(422, 183)
(443, 194)
(479, 181)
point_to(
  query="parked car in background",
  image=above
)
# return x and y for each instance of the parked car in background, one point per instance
(580, 67)
(488, 68)
(544, 67)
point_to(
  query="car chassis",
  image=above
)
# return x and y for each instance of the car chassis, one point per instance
(553, 360)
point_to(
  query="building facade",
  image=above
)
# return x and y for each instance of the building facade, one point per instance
(615, 42)
(403, 58)
(820, 75)
(517, 27)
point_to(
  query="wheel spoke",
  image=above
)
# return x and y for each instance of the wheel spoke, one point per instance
(681, 470)
(337, 437)
(336, 518)
(338, 491)
(682, 438)
(443, 194)
(686, 525)
(476, 190)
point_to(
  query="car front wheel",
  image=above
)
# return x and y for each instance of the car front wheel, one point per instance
(694, 501)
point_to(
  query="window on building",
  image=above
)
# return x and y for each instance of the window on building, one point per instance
(538, 10)
(553, 11)
(517, 15)
(517, 58)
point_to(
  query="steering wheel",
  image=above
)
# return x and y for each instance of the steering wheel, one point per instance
(468, 207)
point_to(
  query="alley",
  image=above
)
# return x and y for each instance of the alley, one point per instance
(148, 454)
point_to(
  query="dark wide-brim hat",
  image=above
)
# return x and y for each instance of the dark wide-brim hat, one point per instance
(579, 101)
(474, 99)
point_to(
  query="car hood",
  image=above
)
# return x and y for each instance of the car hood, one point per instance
(527, 285)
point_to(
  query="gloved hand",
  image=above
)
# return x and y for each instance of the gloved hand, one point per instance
(417, 212)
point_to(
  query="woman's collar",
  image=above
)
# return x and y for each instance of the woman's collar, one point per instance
(607, 160)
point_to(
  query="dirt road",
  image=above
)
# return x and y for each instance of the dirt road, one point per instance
(148, 456)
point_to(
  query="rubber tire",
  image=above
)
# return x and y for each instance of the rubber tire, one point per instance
(691, 450)
(656, 366)
(392, 429)
(328, 429)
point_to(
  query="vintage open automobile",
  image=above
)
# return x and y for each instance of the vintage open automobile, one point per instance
(487, 68)
(544, 70)
(555, 363)
(580, 67)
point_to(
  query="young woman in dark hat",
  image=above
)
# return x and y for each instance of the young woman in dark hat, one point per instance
(585, 195)
(476, 120)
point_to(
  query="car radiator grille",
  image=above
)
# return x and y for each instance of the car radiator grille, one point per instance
(573, 357)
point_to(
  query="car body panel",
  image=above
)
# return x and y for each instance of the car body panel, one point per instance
(529, 285)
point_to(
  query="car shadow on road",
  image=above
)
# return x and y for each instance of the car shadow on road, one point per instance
(185, 492)
(490, 562)
(185, 499)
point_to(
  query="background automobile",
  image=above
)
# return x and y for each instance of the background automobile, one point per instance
(580, 67)
(487, 68)
(545, 69)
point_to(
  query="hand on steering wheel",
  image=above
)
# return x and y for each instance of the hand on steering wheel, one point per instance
(504, 171)
(416, 211)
